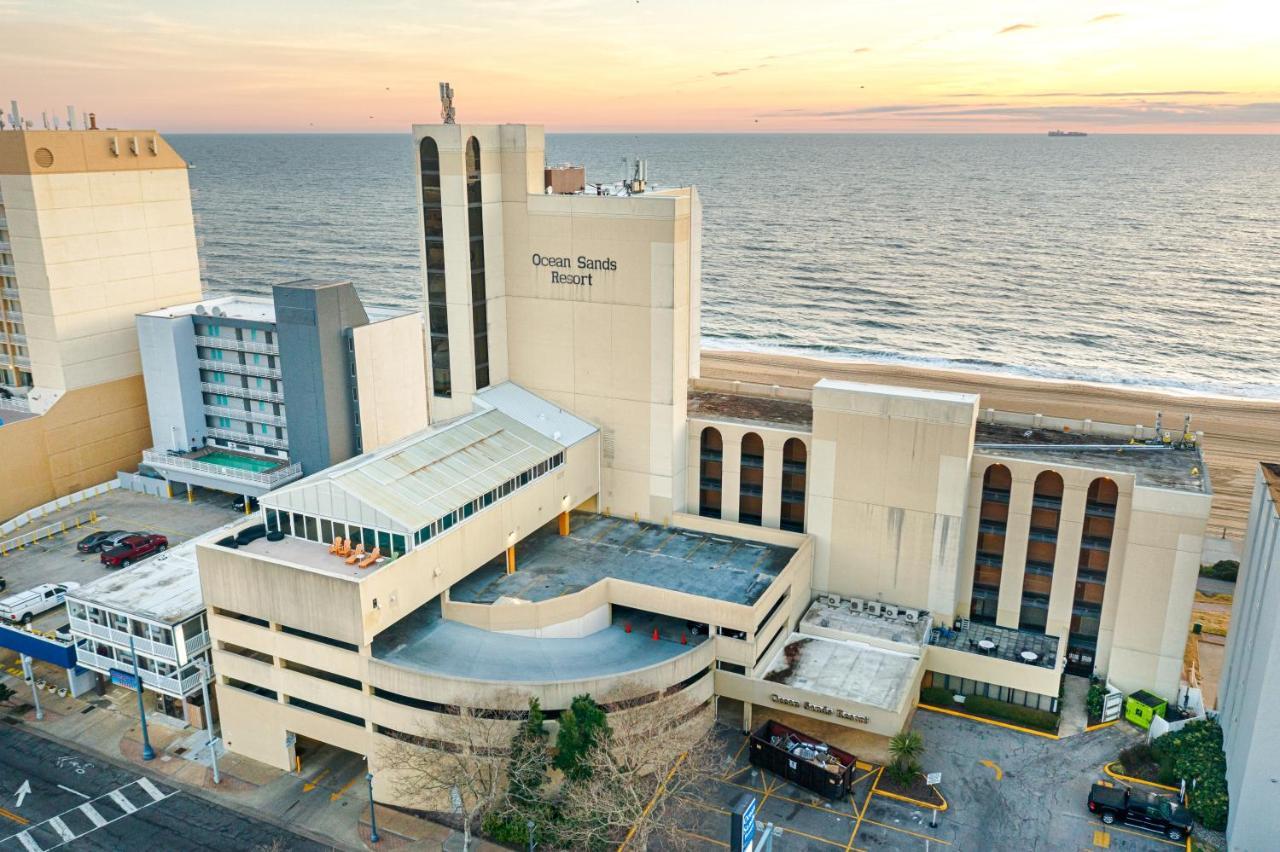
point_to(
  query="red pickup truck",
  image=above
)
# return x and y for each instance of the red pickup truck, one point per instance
(133, 548)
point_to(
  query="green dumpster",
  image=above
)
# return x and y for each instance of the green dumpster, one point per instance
(1141, 707)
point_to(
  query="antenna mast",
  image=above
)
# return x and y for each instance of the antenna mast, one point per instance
(446, 104)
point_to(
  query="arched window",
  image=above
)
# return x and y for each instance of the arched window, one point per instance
(475, 225)
(433, 232)
(1042, 549)
(710, 472)
(993, 518)
(751, 481)
(1091, 574)
(794, 469)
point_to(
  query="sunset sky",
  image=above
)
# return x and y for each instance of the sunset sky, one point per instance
(677, 65)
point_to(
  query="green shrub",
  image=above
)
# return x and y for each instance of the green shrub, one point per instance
(1223, 569)
(1195, 753)
(1093, 699)
(580, 727)
(1002, 711)
(935, 695)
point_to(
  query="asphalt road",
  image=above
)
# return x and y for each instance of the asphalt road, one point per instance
(52, 796)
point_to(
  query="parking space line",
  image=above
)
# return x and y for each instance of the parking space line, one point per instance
(60, 828)
(152, 790)
(27, 843)
(8, 814)
(858, 823)
(930, 838)
(704, 837)
(1144, 834)
(737, 754)
(698, 803)
(92, 813)
(1101, 839)
(125, 805)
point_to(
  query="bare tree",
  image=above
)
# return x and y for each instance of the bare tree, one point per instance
(469, 752)
(641, 777)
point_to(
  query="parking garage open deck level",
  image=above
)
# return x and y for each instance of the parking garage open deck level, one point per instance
(598, 547)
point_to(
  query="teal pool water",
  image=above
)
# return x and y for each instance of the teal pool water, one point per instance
(239, 462)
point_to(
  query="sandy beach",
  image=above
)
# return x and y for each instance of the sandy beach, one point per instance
(1238, 432)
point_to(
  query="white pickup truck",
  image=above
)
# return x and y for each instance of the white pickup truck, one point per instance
(24, 606)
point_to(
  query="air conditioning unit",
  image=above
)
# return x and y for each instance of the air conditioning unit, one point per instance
(912, 616)
(834, 600)
(873, 608)
(890, 611)
(857, 604)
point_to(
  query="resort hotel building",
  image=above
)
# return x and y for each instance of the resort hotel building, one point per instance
(95, 227)
(580, 512)
(245, 394)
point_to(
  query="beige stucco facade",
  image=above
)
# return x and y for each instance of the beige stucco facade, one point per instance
(392, 379)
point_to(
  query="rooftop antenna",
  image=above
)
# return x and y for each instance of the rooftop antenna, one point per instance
(44, 118)
(447, 115)
(71, 117)
(15, 117)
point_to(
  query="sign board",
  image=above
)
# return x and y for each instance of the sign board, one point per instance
(123, 678)
(933, 779)
(742, 824)
(55, 651)
(455, 798)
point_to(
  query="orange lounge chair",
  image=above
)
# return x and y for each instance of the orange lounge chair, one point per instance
(356, 555)
(371, 558)
(337, 546)
(345, 550)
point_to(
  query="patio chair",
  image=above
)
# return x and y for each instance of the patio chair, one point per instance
(356, 555)
(371, 558)
(338, 544)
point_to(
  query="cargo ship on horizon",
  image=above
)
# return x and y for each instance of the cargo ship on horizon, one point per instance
(1067, 133)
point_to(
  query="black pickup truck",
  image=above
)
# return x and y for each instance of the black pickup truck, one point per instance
(1141, 810)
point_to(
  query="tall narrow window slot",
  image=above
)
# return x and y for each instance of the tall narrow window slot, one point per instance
(794, 457)
(475, 224)
(433, 231)
(1091, 575)
(993, 518)
(751, 483)
(1042, 549)
(710, 473)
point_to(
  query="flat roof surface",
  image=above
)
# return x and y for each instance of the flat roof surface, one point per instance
(863, 673)
(549, 565)
(163, 588)
(711, 405)
(308, 554)
(257, 308)
(1009, 643)
(1008, 433)
(424, 641)
(844, 619)
(1153, 467)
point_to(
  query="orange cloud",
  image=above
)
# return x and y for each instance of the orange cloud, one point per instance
(1013, 28)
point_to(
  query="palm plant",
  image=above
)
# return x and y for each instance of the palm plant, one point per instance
(905, 749)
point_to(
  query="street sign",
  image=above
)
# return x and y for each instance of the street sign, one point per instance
(933, 779)
(742, 824)
(455, 799)
(123, 678)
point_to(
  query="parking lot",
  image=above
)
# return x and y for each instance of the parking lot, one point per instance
(1005, 790)
(56, 560)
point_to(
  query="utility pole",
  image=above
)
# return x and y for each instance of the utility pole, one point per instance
(208, 717)
(30, 678)
(148, 753)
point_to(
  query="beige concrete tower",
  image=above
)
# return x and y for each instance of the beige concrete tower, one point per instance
(95, 227)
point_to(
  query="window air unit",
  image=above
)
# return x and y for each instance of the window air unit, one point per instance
(857, 604)
(873, 608)
(834, 600)
(890, 611)
(912, 616)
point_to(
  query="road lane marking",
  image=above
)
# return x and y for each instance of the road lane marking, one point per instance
(23, 792)
(92, 813)
(315, 779)
(345, 787)
(152, 790)
(994, 767)
(29, 844)
(69, 790)
(60, 827)
(125, 805)
(8, 814)
(1101, 839)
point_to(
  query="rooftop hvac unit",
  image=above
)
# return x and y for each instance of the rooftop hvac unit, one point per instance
(834, 600)
(890, 611)
(873, 608)
(857, 604)
(912, 616)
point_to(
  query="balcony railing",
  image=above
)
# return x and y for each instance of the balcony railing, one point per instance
(245, 414)
(14, 336)
(237, 345)
(1100, 510)
(9, 292)
(271, 479)
(16, 404)
(236, 390)
(6, 269)
(13, 315)
(173, 686)
(84, 627)
(240, 369)
(4, 246)
(249, 438)
(195, 644)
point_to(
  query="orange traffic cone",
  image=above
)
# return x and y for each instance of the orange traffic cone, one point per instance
(655, 634)
(626, 626)
(684, 640)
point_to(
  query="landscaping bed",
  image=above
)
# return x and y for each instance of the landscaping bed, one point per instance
(990, 708)
(917, 789)
(1193, 753)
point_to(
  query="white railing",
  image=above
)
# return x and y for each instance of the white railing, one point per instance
(4, 245)
(172, 686)
(49, 531)
(238, 368)
(54, 505)
(13, 315)
(237, 345)
(15, 336)
(253, 439)
(22, 360)
(119, 638)
(245, 414)
(16, 404)
(236, 390)
(6, 269)
(271, 479)
(4, 222)
(9, 292)
(195, 644)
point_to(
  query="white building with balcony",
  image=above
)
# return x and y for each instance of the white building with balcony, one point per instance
(246, 394)
(155, 610)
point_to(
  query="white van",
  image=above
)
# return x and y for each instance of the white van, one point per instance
(24, 606)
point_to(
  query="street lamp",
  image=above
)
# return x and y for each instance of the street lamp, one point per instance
(208, 717)
(373, 814)
(529, 826)
(148, 753)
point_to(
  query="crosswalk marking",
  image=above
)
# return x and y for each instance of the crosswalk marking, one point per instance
(125, 805)
(27, 842)
(92, 813)
(152, 790)
(61, 829)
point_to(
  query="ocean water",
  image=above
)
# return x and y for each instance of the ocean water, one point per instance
(1140, 260)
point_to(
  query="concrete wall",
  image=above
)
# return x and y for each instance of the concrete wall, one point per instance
(170, 369)
(391, 377)
(1250, 687)
(86, 437)
(887, 475)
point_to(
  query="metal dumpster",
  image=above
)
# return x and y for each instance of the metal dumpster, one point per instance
(802, 759)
